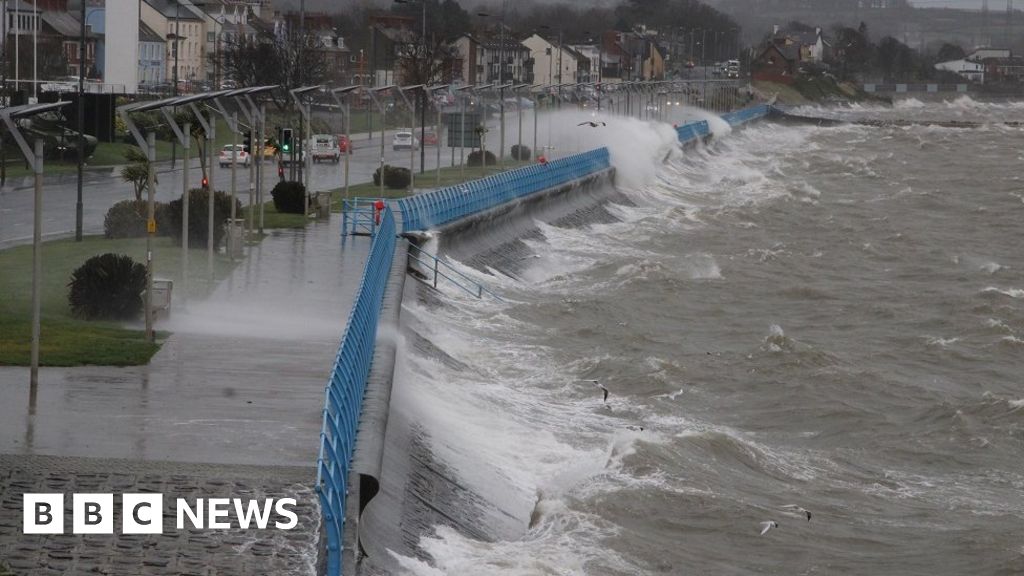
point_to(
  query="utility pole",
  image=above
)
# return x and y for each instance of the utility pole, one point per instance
(177, 48)
(81, 125)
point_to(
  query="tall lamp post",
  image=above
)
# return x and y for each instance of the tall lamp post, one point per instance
(34, 156)
(81, 126)
(346, 112)
(423, 80)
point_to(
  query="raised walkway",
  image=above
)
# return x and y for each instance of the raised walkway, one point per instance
(230, 406)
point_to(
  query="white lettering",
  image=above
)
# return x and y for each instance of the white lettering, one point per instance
(184, 510)
(218, 509)
(282, 511)
(262, 516)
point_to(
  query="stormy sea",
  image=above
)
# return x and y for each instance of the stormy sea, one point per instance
(788, 319)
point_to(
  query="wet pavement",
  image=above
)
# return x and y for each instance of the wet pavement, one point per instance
(233, 398)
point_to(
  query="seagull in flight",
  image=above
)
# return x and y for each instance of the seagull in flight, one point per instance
(592, 124)
(799, 510)
(598, 384)
(766, 526)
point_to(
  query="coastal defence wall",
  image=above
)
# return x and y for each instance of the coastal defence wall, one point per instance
(384, 491)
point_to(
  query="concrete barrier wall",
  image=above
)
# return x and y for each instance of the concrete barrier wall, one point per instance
(345, 412)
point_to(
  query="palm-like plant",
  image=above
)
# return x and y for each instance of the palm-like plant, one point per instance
(137, 171)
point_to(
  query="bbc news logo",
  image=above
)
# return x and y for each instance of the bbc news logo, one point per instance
(144, 514)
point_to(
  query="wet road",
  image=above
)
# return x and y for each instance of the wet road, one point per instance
(103, 188)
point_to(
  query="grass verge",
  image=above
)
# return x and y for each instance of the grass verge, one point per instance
(274, 219)
(450, 176)
(69, 341)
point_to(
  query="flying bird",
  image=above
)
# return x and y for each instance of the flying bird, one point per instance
(598, 384)
(766, 526)
(799, 510)
(592, 124)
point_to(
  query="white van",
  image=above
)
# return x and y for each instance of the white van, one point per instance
(732, 69)
(324, 147)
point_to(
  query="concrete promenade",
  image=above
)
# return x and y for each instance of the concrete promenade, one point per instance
(230, 406)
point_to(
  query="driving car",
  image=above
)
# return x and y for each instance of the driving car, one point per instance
(404, 141)
(324, 147)
(345, 146)
(234, 153)
(430, 138)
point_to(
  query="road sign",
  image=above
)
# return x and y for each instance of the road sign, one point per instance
(457, 137)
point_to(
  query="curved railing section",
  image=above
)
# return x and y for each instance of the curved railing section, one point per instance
(746, 115)
(344, 395)
(693, 131)
(444, 205)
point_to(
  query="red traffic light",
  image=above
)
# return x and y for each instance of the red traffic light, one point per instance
(206, 183)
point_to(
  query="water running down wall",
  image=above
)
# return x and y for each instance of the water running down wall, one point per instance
(345, 391)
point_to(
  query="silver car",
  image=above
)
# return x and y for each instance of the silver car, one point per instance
(404, 141)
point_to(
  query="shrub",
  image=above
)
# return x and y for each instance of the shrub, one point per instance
(126, 219)
(289, 197)
(198, 208)
(474, 159)
(395, 177)
(162, 215)
(108, 286)
(520, 152)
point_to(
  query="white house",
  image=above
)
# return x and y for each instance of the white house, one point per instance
(483, 58)
(971, 70)
(548, 57)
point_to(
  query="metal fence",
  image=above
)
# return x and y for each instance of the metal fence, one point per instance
(448, 204)
(746, 115)
(343, 398)
(693, 131)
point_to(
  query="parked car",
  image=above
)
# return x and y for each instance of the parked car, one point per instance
(345, 145)
(324, 147)
(404, 141)
(232, 153)
(430, 138)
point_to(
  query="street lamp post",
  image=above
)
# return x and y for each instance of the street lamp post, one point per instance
(437, 129)
(304, 109)
(346, 112)
(34, 156)
(423, 80)
(374, 92)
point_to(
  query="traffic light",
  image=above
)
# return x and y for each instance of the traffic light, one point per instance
(280, 171)
(286, 140)
(206, 183)
(247, 141)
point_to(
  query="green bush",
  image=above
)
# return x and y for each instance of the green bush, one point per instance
(395, 178)
(474, 159)
(127, 219)
(520, 152)
(198, 208)
(162, 215)
(108, 286)
(289, 197)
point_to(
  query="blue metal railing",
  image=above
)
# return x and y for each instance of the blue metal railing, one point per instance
(693, 131)
(448, 204)
(432, 268)
(746, 115)
(343, 398)
(358, 216)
